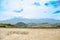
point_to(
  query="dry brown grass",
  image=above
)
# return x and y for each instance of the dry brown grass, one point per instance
(29, 34)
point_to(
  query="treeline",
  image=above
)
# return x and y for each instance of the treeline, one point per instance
(7, 26)
(24, 25)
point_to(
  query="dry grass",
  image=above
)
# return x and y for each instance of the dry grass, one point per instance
(29, 34)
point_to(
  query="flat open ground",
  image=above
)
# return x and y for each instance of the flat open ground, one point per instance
(29, 34)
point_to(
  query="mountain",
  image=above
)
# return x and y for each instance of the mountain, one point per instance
(16, 20)
(21, 24)
(29, 21)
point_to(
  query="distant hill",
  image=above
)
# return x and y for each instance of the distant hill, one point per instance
(29, 21)
(21, 24)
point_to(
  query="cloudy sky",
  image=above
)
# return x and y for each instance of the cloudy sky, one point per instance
(31, 9)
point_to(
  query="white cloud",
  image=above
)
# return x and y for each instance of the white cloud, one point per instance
(12, 4)
(29, 10)
(57, 16)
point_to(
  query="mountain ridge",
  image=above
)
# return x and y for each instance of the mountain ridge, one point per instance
(25, 20)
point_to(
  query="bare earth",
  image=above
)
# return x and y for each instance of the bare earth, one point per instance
(29, 34)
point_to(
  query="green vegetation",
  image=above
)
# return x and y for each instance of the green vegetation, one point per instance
(24, 25)
(7, 26)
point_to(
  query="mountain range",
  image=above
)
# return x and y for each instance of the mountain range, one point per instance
(27, 21)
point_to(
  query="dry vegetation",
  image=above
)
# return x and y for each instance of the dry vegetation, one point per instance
(29, 34)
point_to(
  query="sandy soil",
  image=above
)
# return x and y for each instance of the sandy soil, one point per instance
(29, 34)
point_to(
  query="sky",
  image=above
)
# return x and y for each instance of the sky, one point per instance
(31, 9)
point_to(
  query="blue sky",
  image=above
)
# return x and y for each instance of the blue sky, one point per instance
(31, 9)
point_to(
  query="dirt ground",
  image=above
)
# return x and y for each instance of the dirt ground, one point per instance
(29, 34)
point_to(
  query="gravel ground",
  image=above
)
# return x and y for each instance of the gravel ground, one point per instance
(29, 34)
